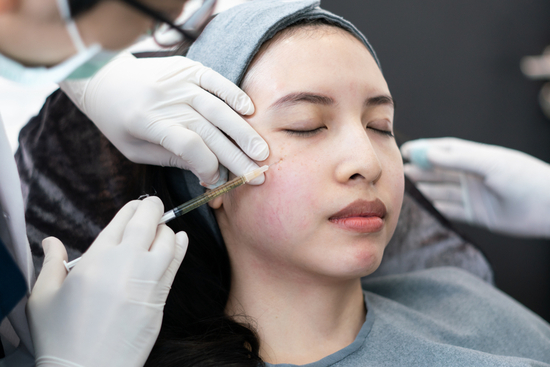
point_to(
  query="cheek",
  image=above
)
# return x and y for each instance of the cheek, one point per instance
(395, 184)
(278, 210)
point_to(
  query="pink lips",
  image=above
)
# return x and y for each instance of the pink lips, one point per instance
(361, 216)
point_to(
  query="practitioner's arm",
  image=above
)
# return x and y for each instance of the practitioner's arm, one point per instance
(502, 189)
(108, 310)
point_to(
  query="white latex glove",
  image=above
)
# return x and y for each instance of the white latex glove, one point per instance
(108, 310)
(501, 189)
(538, 67)
(164, 111)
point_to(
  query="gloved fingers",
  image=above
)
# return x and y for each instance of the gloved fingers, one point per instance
(536, 67)
(163, 250)
(408, 148)
(190, 148)
(221, 115)
(452, 210)
(158, 155)
(148, 268)
(416, 151)
(112, 234)
(224, 174)
(227, 91)
(141, 229)
(441, 192)
(182, 242)
(239, 164)
(417, 174)
(544, 99)
(53, 271)
(449, 153)
(229, 155)
(179, 70)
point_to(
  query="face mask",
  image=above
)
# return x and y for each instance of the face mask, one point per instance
(85, 63)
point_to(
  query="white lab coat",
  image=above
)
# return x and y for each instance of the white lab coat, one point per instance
(14, 330)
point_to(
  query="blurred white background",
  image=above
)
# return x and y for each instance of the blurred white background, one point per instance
(18, 104)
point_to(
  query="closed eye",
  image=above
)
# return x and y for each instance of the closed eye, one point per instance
(304, 133)
(380, 131)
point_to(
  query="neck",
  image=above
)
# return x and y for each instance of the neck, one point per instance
(300, 318)
(33, 33)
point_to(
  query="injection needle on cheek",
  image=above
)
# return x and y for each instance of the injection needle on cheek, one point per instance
(199, 200)
(212, 194)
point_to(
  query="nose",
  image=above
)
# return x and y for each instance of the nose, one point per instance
(358, 159)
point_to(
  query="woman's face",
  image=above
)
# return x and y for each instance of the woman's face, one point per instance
(331, 204)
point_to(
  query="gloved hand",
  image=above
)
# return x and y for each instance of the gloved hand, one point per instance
(159, 111)
(502, 189)
(538, 67)
(108, 310)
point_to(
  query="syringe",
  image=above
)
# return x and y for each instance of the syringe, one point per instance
(212, 194)
(198, 201)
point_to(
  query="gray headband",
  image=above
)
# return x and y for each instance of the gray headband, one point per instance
(233, 38)
(228, 45)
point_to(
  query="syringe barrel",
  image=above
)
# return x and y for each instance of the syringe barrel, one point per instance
(207, 196)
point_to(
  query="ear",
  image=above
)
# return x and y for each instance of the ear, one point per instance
(7, 6)
(216, 203)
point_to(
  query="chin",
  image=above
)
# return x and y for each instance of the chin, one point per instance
(356, 264)
(368, 265)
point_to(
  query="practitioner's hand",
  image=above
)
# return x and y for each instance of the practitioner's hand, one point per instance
(502, 189)
(108, 310)
(538, 67)
(166, 111)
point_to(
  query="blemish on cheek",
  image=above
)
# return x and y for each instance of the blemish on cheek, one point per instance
(279, 167)
(277, 164)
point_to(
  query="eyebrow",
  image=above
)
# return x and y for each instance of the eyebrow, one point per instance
(381, 100)
(301, 97)
(295, 98)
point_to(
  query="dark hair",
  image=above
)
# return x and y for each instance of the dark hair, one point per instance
(195, 329)
(81, 6)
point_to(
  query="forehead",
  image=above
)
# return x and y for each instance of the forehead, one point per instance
(312, 55)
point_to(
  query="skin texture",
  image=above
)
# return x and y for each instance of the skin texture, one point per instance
(33, 33)
(294, 271)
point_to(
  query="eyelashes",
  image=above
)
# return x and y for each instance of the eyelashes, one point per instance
(304, 133)
(383, 132)
(312, 132)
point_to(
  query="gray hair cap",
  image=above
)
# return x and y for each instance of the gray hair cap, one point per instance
(228, 44)
(232, 39)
